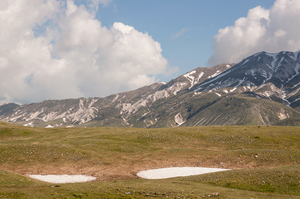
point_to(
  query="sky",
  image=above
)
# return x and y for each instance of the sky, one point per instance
(58, 49)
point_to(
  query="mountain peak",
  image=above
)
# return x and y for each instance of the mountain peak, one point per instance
(281, 69)
(263, 88)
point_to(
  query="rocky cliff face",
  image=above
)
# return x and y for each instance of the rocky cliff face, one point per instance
(262, 89)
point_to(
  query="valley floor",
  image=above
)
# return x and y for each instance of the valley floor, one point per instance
(265, 161)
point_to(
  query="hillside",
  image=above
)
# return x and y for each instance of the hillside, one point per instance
(263, 89)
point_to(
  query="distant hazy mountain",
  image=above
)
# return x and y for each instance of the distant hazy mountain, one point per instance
(263, 89)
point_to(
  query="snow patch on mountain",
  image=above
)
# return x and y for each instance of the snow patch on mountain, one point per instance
(115, 98)
(297, 71)
(48, 117)
(215, 74)
(179, 119)
(200, 75)
(282, 114)
(295, 100)
(212, 79)
(85, 112)
(128, 108)
(296, 85)
(231, 90)
(30, 124)
(296, 55)
(278, 69)
(14, 118)
(33, 115)
(192, 79)
(247, 60)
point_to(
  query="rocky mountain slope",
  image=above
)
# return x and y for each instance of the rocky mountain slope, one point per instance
(262, 89)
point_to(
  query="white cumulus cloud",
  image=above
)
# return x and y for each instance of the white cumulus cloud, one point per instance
(272, 30)
(54, 49)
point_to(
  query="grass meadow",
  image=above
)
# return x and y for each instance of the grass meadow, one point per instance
(265, 161)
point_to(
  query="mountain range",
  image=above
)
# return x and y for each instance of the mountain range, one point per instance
(263, 89)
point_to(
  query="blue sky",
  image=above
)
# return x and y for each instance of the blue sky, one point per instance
(198, 20)
(58, 49)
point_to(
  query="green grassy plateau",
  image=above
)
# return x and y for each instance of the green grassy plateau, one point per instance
(265, 161)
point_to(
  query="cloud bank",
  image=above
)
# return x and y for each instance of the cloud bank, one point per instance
(272, 30)
(55, 49)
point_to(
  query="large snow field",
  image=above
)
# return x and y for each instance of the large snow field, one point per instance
(176, 172)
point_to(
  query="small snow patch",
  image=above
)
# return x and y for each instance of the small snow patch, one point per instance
(216, 73)
(63, 178)
(218, 94)
(179, 119)
(200, 75)
(247, 60)
(232, 89)
(190, 77)
(49, 126)
(29, 124)
(176, 172)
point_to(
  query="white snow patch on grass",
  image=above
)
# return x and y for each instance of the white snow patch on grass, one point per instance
(63, 178)
(176, 172)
